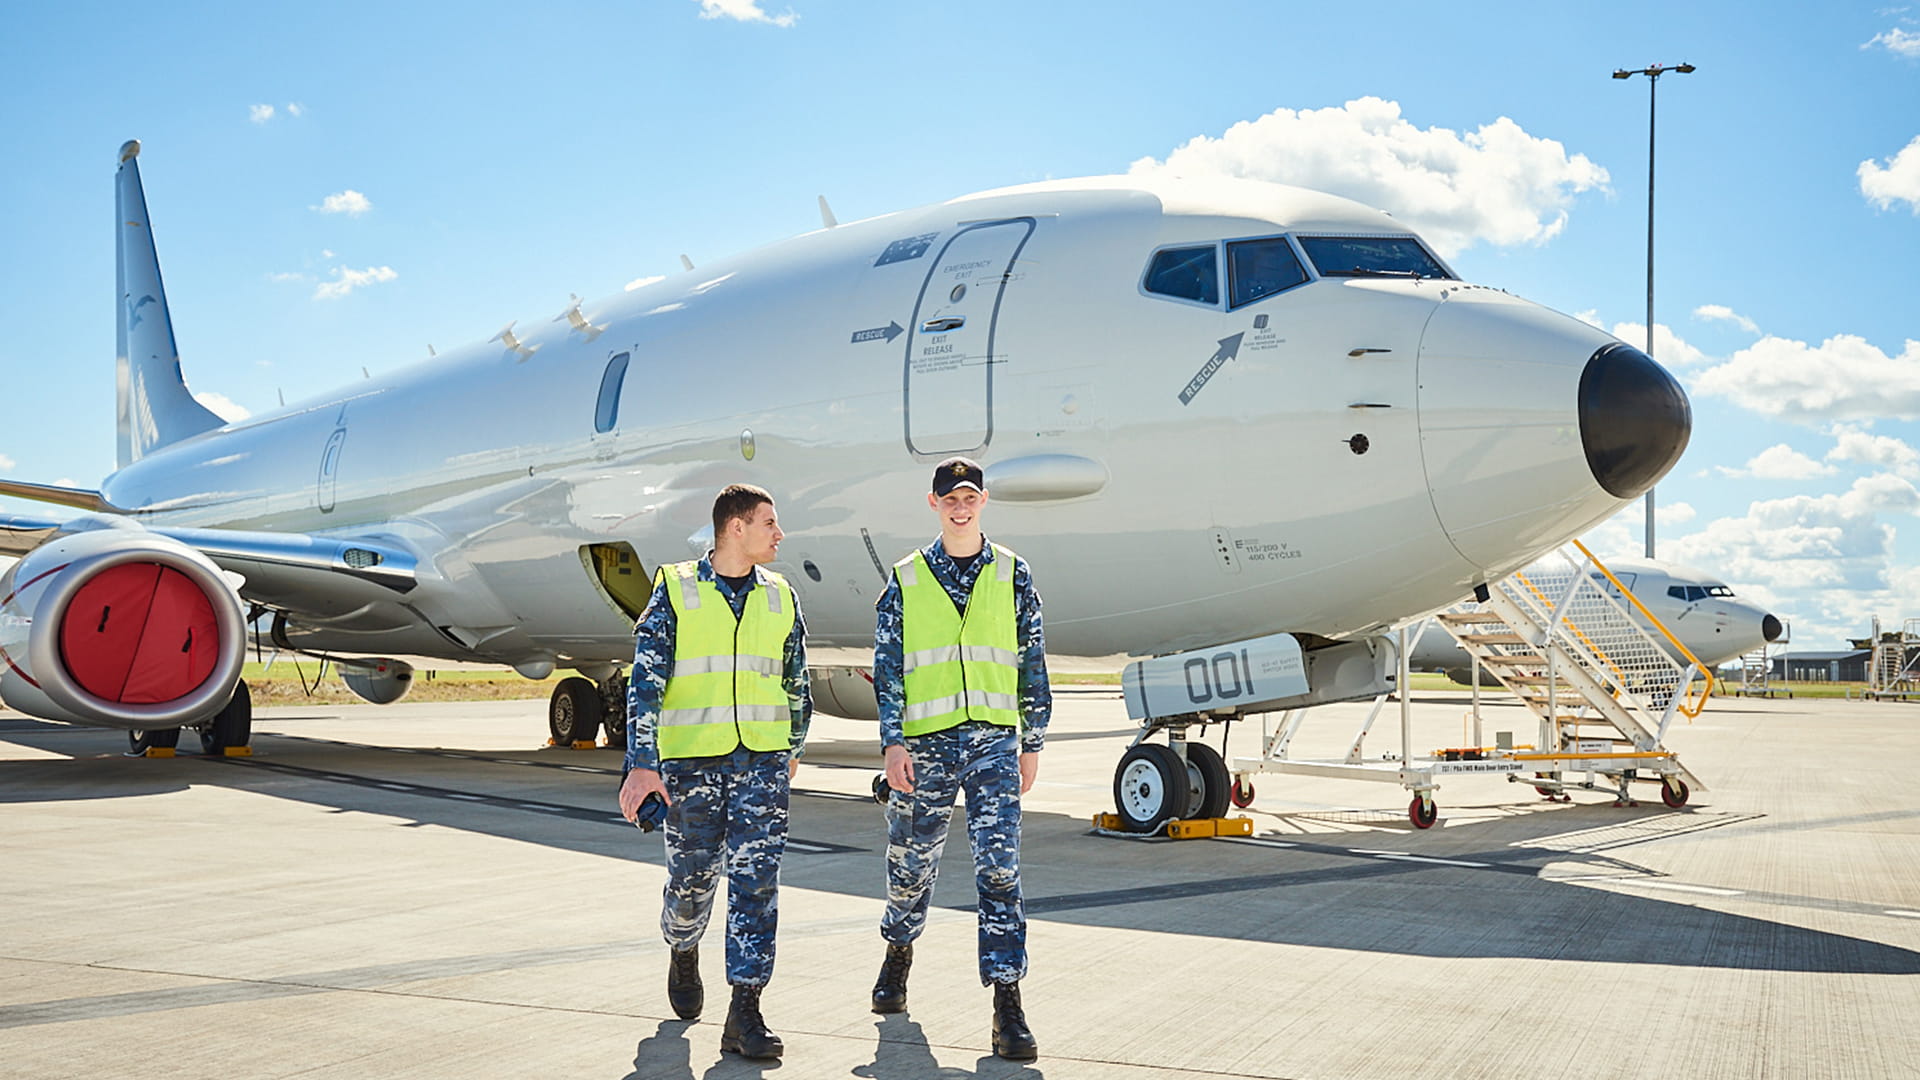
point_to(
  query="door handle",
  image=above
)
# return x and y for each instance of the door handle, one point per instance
(941, 326)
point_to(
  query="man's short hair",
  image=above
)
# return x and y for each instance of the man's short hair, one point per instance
(737, 501)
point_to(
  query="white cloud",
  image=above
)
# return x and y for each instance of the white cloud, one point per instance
(349, 202)
(1496, 184)
(1669, 348)
(222, 406)
(643, 282)
(326, 253)
(259, 114)
(295, 109)
(345, 281)
(8, 463)
(1723, 313)
(1843, 378)
(278, 278)
(1897, 41)
(1625, 533)
(1824, 562)
(744, 11)
(1856, 444)
(1898, 181)
(1779, 462)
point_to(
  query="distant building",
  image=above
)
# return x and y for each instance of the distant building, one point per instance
(1847, 665)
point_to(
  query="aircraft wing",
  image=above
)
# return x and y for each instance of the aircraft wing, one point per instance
(299, 571)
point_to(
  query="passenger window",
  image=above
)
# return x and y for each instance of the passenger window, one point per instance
(1257, 269)
(606, 412)
(1188, 273)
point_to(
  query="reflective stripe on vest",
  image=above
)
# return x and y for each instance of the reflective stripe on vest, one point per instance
(726, 688)
(959, 668)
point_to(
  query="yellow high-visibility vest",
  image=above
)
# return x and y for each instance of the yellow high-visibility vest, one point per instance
(726, 689)
(959, 669)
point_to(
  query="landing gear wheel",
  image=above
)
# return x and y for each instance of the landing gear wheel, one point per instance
(1150, 787)
(1546, 791)
(139, 742)
(882, 791)
(1209, 784)
(573, 713)
(1423, 812)
(231, 726)
(1242, 794)
(1674, 792)
(613, 710)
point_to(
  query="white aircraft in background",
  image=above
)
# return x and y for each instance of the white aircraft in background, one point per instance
(1702, 612)
(1211, 411)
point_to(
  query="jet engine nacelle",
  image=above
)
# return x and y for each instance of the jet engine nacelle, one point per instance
(119, 627)
(844, 691)
(381, 682)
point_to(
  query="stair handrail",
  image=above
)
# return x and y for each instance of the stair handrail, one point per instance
(1691, 705)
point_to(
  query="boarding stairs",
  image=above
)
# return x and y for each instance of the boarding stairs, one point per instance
(1892, 673)
(1602, 688)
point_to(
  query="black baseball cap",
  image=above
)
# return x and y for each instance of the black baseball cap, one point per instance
(958, 472)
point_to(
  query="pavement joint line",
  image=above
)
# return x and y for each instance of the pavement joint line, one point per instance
(320, 987)
(1403, 857)
(1673, 885)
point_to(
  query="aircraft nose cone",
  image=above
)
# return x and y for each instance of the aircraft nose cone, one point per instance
(1770, 628)
(1634, 419)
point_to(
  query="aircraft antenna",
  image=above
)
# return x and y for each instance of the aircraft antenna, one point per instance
(826, 214)
(686, 262)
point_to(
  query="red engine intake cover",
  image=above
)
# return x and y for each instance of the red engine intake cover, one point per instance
(139, 634)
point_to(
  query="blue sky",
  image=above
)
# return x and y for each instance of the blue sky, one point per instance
(339, 186)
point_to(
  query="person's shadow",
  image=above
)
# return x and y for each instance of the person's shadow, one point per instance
(901, 1053)
(667, 1055)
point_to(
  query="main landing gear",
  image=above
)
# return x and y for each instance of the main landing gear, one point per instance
(228, 731)
(580, 707)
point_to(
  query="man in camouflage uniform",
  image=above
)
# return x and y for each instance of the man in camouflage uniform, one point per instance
(960, 670)
(717, 709)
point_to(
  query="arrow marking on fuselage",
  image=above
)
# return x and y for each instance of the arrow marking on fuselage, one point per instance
(1229, 348)
(888, 333)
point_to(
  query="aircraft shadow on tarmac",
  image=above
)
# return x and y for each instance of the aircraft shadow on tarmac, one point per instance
(1490, 895)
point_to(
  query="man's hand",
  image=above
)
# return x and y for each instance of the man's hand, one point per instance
(793, 768)
(899, 769)
(1029, 768)
(634, 790)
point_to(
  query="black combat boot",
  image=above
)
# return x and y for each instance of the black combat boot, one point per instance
(890, 993)
(684, 991)
(746, 1033)
(1011, 1039)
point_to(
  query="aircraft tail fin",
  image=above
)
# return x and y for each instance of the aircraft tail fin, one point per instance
(155, 406)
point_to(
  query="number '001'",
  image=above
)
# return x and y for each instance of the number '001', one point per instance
(1225, 675)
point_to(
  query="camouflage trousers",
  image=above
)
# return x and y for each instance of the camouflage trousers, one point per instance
(983, 761)
(731, 808)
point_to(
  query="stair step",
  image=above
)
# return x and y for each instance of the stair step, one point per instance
(1508, 638)
(1470, 618)
(1513, 660)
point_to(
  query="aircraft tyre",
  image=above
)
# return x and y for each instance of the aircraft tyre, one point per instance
(139, 742)
(1674, 792)
(1242, 794)
(1150, 787)
(1423, 812)
(1209, 784)
(573, 713)
(232, 725)
(613, 710)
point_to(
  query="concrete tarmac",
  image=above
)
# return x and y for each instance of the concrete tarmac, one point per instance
(426, 891)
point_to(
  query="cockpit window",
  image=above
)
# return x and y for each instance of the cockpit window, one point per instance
(1371, 256)
(1690, 593)
(1187, 273)
(1259, 268)
(1719, 590)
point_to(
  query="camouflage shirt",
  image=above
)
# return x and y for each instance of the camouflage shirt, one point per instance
(889, 678)
(653, 638)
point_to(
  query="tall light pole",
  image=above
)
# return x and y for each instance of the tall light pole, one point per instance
(1653, 74)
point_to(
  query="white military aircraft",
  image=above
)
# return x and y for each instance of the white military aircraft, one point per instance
(1212, 412)
(1703, 613)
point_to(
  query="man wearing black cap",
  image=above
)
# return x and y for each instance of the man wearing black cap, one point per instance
(960, 670)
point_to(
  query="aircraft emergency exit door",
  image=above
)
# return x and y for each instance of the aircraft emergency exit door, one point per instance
(950, 344)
